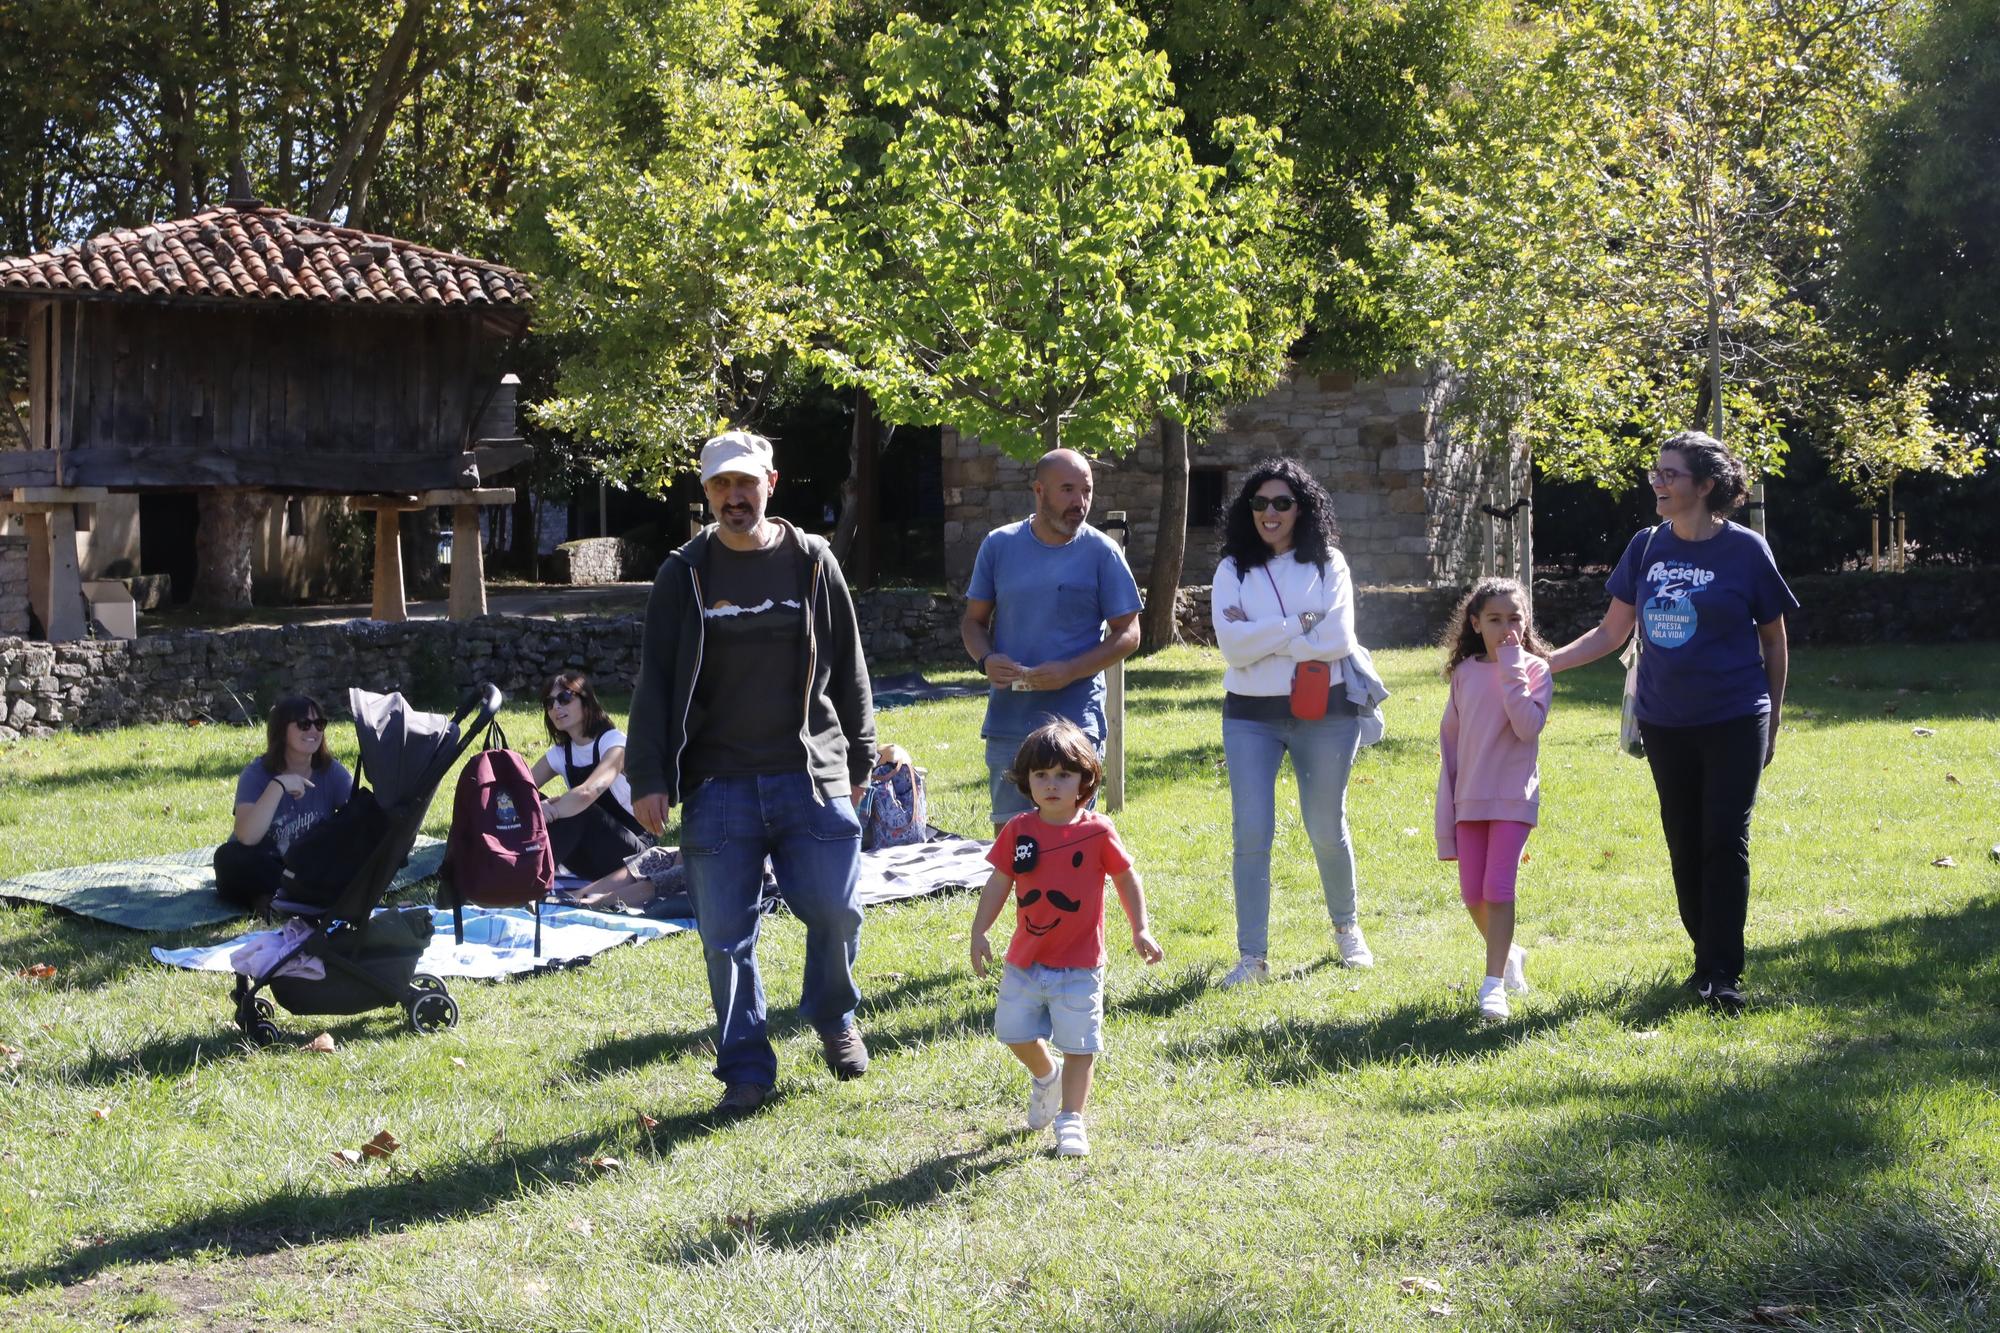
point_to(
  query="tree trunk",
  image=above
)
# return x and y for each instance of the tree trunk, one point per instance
(855, 537)
(384, 91)
(222, 543)
(1157, 622)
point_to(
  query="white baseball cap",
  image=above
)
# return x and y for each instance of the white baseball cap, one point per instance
(736, 451)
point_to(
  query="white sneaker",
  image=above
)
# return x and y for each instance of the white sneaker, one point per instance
(1249, 970)
(1493, 1000)
(1044, 1098)
(1071, 1141)
(1514, 974)
(1353, 949)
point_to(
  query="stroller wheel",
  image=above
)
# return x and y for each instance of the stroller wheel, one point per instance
(425, 983)
(432, 1011)
(262, 1032)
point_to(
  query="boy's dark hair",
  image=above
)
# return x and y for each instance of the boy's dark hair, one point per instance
(1058, 745)
(595, 720)
(293, 708)
(1462, 639)
(1708, 459)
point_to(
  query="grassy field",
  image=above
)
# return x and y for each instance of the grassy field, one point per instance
(1334, 1150)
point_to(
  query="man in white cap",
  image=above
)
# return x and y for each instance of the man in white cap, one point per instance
(753, 714)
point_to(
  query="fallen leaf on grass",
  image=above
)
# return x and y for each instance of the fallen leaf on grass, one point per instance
(1923, 731)
(100, 1113)
(1783, 1316)
(1944, 863)
(346, 1157)
(581, 1226)
(608, 1165)
(741, 1221)
(647, 1122)
(382, 1145)
(458, 1062)
(1527, 857)
(39, 971)
(1442, 1310)
(13, 1055)
(323, 1044)
(1411, 1285)
(1952, 778)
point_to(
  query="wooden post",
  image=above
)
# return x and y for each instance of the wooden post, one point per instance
(1902, 542)
(57, 595)
(1875, 543)
(389, 602)
(468, 565)
(1114, 701)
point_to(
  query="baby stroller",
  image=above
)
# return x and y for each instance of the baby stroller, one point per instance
(336, 874)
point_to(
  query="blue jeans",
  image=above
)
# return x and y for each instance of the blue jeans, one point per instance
(728, 827)
(1322, 756)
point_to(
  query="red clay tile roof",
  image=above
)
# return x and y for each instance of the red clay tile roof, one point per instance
(264, 254)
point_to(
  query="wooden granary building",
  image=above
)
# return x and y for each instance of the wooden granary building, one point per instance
(211, 382)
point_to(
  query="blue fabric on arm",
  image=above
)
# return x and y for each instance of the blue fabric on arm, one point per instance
(1050, 603)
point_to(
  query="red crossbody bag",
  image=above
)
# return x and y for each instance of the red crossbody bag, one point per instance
(1312, 682)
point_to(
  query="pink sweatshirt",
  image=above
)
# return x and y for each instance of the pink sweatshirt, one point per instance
(1492, 729)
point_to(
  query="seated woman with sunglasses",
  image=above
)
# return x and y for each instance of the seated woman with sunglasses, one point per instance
(292, 786)
(591, 826)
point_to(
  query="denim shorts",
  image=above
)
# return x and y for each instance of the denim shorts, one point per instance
(1065, 1005)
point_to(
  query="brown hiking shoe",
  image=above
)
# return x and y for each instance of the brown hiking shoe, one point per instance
(739, 1099)
(846, 1053)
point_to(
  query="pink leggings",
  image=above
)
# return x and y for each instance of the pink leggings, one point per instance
(1489, 856)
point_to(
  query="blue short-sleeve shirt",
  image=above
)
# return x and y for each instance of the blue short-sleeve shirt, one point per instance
(1699, 606)
(331, 787)
(1049, 603)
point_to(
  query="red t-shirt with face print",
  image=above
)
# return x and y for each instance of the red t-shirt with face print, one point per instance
(1058, 872)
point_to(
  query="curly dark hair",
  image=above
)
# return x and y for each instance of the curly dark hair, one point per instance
(1315, 536)
(1708, 459)
(1461, 637)
(1058, 745)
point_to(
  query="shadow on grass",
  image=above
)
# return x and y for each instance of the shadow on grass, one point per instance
(170, 1057)
(87, 954)
(385, 1202)
(220, 769)
(824, 1220)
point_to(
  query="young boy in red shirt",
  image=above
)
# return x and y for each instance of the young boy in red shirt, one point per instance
(1056, 857)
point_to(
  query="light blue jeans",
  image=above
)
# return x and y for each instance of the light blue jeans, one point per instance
(1322, 757)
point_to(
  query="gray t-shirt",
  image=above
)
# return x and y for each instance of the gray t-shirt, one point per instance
(751, 689)
(330, 789)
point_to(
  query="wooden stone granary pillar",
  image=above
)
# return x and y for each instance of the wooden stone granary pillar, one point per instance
(468, 564)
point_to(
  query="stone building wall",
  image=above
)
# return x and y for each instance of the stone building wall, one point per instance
(1406, 490)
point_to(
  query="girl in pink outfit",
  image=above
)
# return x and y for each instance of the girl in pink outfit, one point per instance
(1489, 790)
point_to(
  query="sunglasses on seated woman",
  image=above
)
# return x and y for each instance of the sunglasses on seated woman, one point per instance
(559, 699)
(1282, 503)
(311, 724)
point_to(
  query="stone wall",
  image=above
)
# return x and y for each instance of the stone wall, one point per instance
(1405, 489)
(591, 560)
(13, 586)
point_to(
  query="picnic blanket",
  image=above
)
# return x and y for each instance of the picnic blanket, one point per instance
(945, 861)
(498, 942)
(161, 893)
(911, 688)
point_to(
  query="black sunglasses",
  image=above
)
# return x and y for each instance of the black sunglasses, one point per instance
(559, 698)
(311, 724)
(1282, 503)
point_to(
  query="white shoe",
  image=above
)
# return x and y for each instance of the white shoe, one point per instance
(1493, 1000)
(1044, 1098)
(1249, 970)
(1353, 949)
(1515, 975)
(1071, 1141)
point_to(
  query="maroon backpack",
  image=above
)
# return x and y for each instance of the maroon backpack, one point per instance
(497, 853)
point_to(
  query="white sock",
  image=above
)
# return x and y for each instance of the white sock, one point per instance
(1490, 985)
(1045, 1079)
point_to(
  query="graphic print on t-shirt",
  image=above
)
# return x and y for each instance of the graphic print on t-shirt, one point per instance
(1671, 614)
(1058, 872)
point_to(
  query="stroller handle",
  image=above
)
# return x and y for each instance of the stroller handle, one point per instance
(483, 699)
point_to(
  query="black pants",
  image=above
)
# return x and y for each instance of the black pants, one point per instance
(1706, 778)
(594, 842)
(247, 877)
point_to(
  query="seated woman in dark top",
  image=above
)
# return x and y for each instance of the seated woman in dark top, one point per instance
(591, 826)
(288, 789)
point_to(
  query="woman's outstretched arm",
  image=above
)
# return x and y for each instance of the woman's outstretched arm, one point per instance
(1608, 637)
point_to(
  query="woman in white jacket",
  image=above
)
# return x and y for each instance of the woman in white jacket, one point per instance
(1282, 597)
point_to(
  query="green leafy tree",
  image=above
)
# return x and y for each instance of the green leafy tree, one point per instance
(679, 181)
(1922, 276)
(1630, 225)
(1038, 256)
(1890, 434)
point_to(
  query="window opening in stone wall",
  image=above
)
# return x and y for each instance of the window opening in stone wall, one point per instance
(1206, 487)
(295, 517)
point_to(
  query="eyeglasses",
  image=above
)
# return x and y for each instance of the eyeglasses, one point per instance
(311, 724)
(1666, 476)
(1282, 503)
(561, 698)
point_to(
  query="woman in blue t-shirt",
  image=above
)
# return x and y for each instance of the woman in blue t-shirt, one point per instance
(283, 792)
(1710, 604)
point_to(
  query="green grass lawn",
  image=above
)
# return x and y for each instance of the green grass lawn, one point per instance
(1334, 1150)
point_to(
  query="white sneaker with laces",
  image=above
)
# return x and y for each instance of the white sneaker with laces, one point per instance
(1353, 949)
(1071, 1141)
(1493, 1000)
(1249, 970)
(1044, 1098)
(1515, 974)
